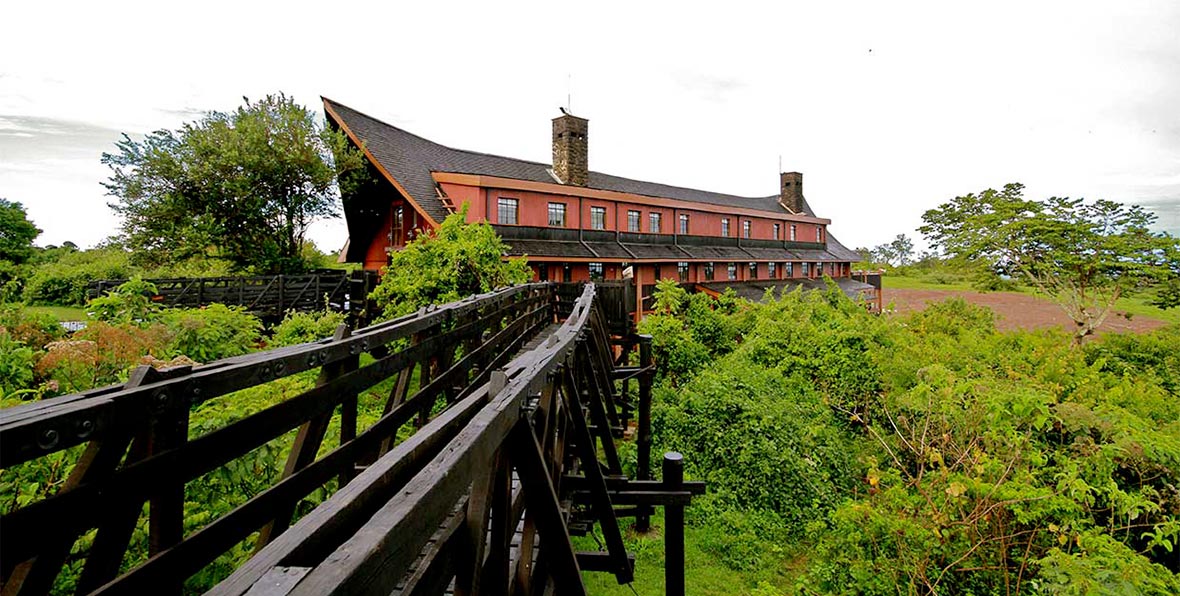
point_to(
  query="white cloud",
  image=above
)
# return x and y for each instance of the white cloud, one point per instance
(888, 109)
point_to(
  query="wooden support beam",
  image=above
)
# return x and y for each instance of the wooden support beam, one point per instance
(603, 509)
(541, 501)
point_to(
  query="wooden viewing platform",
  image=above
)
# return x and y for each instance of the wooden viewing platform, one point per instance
(518, 399)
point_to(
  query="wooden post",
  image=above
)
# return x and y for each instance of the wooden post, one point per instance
(673, 527)
(643, 440)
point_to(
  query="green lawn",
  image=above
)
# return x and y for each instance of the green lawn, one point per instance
(1136, 306)
(898, 282)
(704, 573)
(63, 313)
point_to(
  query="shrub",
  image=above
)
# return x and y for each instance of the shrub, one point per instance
(763, 441)
(211, 333)
(65, 281)
(33, 329)
(302, 327)
(101, 354)
(129, 303)
(16, 365)
(454, 261)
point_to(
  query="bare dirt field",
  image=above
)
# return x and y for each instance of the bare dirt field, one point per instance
(1014, 310)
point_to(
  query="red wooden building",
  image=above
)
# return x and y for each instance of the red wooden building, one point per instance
(575, 224)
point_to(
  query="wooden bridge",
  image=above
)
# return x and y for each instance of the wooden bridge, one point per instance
(497, 443)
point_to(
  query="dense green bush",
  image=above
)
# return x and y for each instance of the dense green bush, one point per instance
(302, 327)
(30, 328)
(454, 261)
(211, 333)
(764, 441)
(927, 453)
(16, 365)
(64, 281)
(131, 302)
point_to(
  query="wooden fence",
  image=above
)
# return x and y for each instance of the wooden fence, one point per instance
(265, 296)
(515, 398)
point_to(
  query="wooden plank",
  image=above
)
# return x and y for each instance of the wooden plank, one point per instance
(278, 581)
(436, 567)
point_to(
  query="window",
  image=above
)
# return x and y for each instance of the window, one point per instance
(806, 270)
(683, 223)
(557, 215)
(746, 229)
(725, 226)
(771, 270)
(507, 211)
(653, 220)
(633, 221)
(708, 272)
(542, 272)
(682, 270)
(567, 273)
(656, 272)
(595, 271)
(396, 233)
(598, 221)
(819, 234)
(789, 269)
(819, 269)
(778, 228)
(731, 271)
(793, 230)
(753, 271)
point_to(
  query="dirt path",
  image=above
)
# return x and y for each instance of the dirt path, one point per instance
(1016, 311)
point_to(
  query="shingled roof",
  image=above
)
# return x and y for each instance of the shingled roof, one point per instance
(411, 159)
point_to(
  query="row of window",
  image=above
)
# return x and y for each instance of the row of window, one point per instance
(731, 270)
(508, 213)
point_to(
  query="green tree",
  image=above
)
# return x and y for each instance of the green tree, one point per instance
(455, 261)
(16, 232)
(1084, 256)
(242, 186)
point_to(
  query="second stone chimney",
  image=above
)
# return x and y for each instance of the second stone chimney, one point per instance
(571, 163)
(790, 194)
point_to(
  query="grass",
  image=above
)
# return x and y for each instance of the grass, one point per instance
(704, 573)
(62, 313)
(898, 282)
(1136, 306)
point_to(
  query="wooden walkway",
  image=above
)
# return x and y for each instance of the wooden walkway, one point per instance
(515, 400)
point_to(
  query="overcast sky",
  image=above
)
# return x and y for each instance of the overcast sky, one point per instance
(888, 108)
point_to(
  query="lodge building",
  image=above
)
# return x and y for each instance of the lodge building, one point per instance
(574, 224)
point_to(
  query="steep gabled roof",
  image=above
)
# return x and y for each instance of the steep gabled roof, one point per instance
(410, 159)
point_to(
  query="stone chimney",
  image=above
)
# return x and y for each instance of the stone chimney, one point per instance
(790, 194)
(570, 149)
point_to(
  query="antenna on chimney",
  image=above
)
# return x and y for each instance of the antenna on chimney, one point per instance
(780, 162)
(568, 94)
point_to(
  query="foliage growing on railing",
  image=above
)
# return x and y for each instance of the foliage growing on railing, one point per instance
(452, 262)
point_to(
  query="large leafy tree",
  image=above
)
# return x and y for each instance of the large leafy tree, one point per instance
(16, 232)
(242, 186)
(452, 262)
(1083, 255)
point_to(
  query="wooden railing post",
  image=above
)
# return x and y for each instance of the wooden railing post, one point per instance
(643, 520)
(673, 527)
